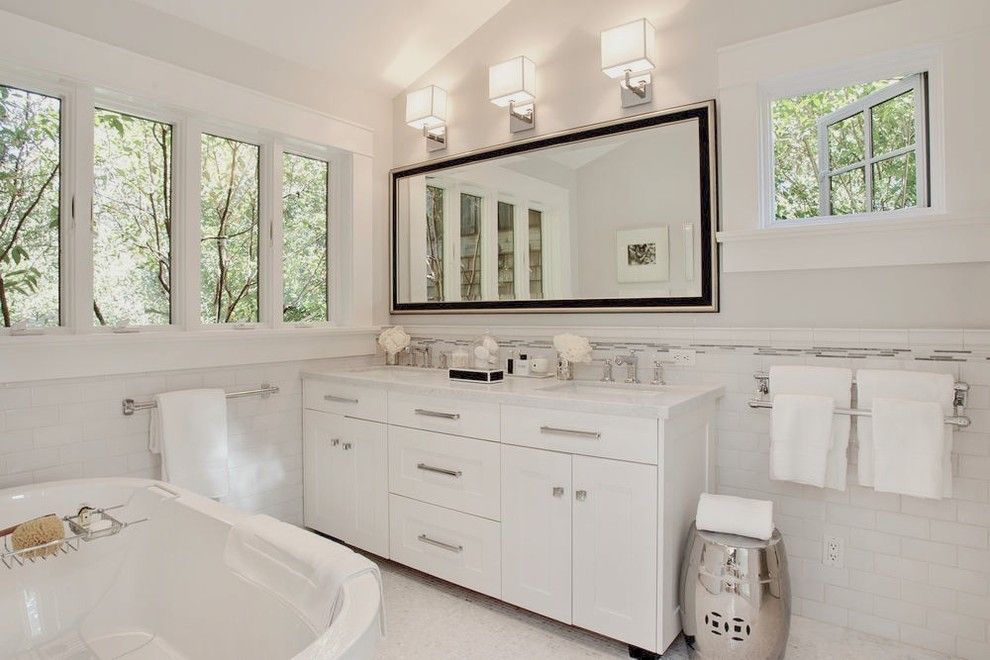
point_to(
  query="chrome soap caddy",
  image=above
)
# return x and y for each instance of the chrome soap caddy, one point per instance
(958, 401)
(87, 525)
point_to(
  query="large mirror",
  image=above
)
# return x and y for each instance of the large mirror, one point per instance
(612, 217)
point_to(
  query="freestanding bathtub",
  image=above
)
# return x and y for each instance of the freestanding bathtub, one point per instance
(158, 589)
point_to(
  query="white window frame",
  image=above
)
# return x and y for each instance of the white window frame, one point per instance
(864, 106)
(885, 66)
(277, 238)
(78, 103)
(122, 105)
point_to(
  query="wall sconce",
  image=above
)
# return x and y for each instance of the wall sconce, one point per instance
(426, 110)
(511, 83)
(629, 52)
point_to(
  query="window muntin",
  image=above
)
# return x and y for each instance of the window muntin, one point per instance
(830, 150)
(230, 193)
(471, 246)
(132, 220)
(305, 239)
(30, 236)
(506, 251)
(535, 254)
(434, 243)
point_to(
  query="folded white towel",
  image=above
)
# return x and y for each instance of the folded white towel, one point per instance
(303, 570)
(833, 382)
(189, 430)
(735, 515)
(907, 385)
(909, 447)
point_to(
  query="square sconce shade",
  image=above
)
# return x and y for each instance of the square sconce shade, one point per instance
(427, 107)
(512, 81)
(630, 47)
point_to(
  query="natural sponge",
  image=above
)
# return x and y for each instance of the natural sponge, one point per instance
(36, 532)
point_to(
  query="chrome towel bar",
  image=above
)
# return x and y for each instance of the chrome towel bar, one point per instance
(959, 401)
(130, 406)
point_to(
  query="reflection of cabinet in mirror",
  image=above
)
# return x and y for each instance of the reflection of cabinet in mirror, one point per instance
(540, 225)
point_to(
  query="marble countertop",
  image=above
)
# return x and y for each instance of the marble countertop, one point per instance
(654, 401)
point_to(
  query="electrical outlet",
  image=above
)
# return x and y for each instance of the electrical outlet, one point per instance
(682, 357)
(833, 551)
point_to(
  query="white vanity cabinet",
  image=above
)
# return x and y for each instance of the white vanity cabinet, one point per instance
(345, 483)
(573, 508)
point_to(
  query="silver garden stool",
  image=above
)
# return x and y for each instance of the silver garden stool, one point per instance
(735, 596)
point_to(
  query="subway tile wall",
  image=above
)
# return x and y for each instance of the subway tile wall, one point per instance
(72, 428)
(914, 570)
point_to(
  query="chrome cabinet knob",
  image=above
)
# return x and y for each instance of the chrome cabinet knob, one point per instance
(558, 491)
(347, 445)
(334, 442)
(580, 495)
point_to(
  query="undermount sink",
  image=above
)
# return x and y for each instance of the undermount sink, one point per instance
(591, 388)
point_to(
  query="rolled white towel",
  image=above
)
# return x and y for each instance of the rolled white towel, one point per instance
(735, 515)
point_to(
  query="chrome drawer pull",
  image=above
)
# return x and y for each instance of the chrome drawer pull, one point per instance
(430, 468)
(338, 399)
(440, 544)
(434, 413)
(584, 434)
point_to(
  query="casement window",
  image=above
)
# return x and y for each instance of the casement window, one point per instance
(858, 152)
(132, 220)
(230, 225)
(506, 251)
(305, 239)
(30, 209)
(434, 243)
(471, 252)
(194, 225)
(535, 224)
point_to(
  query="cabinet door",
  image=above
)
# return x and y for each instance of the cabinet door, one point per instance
(536, 531)
(615, 549)
(322, 434)
(362, 478)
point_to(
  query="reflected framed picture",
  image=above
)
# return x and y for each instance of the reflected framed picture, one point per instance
(642, 255)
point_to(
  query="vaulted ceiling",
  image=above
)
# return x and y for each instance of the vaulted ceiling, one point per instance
(380, 45)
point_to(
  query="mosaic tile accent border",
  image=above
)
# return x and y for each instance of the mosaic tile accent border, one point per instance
(921, 353)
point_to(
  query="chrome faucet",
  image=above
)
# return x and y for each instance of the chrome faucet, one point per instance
(632, 365)
(607, 371)
(657, 373)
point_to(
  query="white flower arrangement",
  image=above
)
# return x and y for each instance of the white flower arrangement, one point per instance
(572, 348)
(394, 340)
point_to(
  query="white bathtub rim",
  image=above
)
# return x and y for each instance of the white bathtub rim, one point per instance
(355, 629)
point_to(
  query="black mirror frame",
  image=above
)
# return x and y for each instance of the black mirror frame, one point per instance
(703, 113)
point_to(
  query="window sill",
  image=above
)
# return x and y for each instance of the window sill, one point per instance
(908, 241)
(44, 357)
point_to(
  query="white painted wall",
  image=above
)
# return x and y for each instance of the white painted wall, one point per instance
(561, 36)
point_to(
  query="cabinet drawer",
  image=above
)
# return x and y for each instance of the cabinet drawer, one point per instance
(457, 473)
(454, 546)
(458, 417)
(608, 436)
(345, 399)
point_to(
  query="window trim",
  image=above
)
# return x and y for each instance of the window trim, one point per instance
(111, 103)
(78, 105)
(901, 63)
(278, 236)
(915, 84)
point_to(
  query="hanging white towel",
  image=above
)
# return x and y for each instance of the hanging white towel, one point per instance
(911, 386)
(303, 570)
(800, 438)
(735, 515)
(189, 430)
(908, 447)
(832, 382)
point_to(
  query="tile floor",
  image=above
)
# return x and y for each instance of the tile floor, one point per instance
(434, 620)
